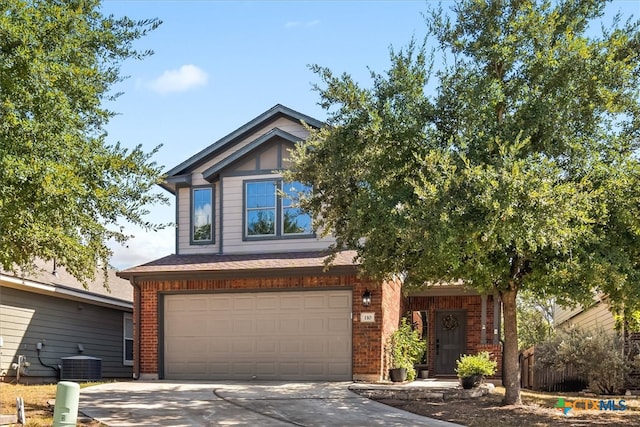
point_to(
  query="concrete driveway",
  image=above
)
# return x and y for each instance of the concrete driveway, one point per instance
(167, 403)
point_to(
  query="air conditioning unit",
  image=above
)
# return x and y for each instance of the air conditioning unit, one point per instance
(81, 368)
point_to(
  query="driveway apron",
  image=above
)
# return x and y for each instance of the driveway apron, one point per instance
(166, 403)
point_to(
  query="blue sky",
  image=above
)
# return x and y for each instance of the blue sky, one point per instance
(218, 64)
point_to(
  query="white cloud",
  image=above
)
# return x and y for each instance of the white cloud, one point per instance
(146, 246)
(293, 24)
(180, 80)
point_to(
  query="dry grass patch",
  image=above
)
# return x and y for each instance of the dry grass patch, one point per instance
(538, 410)
(37, 411)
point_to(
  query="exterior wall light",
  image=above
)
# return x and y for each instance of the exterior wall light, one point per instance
(366, 298)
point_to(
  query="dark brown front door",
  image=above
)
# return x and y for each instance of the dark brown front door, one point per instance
(450, 340)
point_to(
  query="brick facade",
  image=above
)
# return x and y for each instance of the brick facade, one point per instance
(367, 338)
(472, 305)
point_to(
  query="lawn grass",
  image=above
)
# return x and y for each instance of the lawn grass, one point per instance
(38, 412)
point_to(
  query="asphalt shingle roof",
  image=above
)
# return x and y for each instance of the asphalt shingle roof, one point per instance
(240, 262)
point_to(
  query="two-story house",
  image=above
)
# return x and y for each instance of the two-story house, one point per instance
(247, 294)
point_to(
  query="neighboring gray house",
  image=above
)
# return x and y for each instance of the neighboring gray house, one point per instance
(48, 315)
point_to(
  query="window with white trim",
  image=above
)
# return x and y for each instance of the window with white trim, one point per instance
(127, 345)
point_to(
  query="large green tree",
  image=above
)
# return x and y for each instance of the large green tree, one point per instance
(64, 190)
(519, 172)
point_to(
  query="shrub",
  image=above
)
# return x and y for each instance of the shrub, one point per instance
(406, 348)
(478, 364)
(596, 356)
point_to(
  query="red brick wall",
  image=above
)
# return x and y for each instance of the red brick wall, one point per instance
(472, 305)
(367, 338)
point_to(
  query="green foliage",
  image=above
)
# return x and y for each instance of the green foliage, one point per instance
(476, 364)
(65, 191)
(535, 320)
(597, 356)
(405, 348)
(521, 172)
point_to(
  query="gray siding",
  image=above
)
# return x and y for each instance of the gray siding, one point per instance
(27, 318)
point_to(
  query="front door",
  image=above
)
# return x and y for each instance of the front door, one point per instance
(450, 340)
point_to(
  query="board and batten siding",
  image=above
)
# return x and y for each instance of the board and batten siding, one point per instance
(60, 324)
(282, 123)
(232, 233)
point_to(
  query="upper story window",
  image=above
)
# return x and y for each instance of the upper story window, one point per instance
(261, 208)
(202, 215)
(267, 215)
(294, 219)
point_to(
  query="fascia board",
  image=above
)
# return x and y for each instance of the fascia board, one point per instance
(214, 170)
(62, 292)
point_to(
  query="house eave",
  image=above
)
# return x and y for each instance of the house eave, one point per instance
(341, 270)
(444, 290)
(63, 292)
(172, 183)
(214, 171)
(223, 143)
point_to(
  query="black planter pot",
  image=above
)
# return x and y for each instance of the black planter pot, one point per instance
(470, 382)
(398, 375)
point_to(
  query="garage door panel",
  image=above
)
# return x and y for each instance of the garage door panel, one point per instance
(214, 324)
(316, 302)
(266, 348)
(243, 327)
(290, 326)
(339, 301)
(315, 326)
(243, 303)
(275, 335)
(219, 304)
(266, 327)
(291, 302)
(266, 302)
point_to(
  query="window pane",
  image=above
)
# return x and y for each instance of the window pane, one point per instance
(261, 222)
(202, 214)
(295, 220)
(128, 327)
(261, 194)
(128, 350)
(261, 208)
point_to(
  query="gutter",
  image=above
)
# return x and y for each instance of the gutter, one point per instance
(62, 291)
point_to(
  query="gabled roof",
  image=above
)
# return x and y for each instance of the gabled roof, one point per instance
(214, 170)
(245, 265)
(55, 281)
(178, 173)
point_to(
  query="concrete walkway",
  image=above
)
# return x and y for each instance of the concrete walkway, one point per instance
(168, 403)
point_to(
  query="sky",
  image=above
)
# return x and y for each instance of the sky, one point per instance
(218, 64)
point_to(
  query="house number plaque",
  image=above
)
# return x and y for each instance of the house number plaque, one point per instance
(367, 317)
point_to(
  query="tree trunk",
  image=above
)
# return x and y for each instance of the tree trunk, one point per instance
(510, 362)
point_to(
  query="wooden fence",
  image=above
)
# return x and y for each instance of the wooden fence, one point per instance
(547, 379)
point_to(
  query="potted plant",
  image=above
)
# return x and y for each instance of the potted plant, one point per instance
(405, 349)
(472, 369)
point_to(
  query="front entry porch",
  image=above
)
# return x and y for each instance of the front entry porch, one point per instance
(455, 321)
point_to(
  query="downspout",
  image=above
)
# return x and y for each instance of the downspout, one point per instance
(137, 327)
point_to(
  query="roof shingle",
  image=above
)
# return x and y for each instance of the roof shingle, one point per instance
(240, 262)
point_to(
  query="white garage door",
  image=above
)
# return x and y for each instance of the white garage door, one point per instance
(266, 335)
